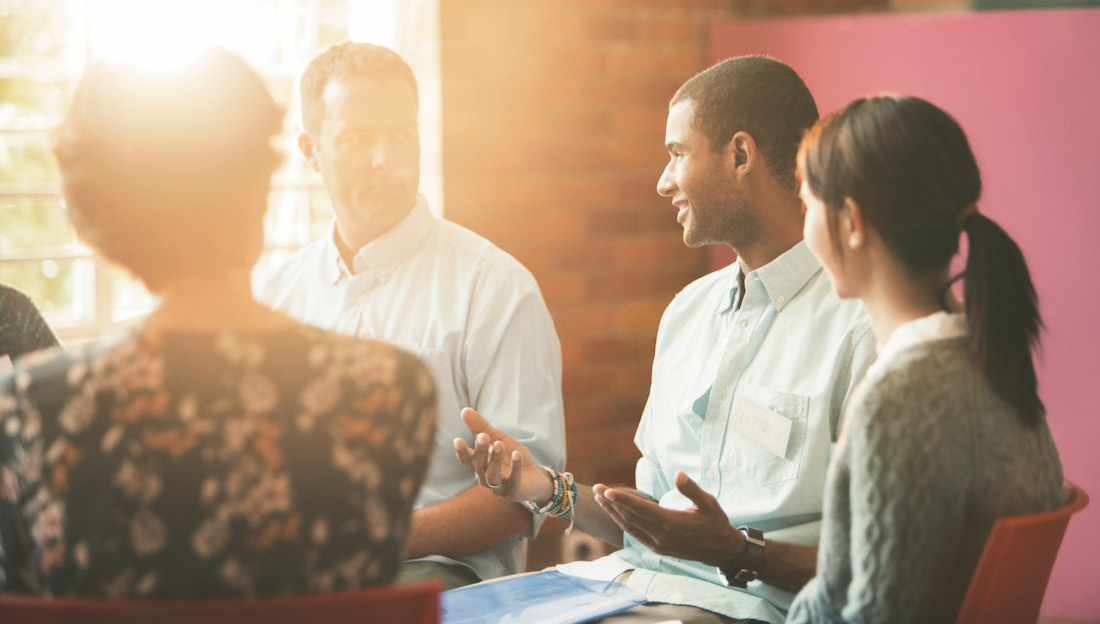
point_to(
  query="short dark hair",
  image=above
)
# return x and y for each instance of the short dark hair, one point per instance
(908, 165)
(163, 170)
(757, 95)
(344, 59)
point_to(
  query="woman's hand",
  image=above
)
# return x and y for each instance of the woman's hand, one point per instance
(518, 479)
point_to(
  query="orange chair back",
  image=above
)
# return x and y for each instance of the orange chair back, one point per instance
(1012, 574)
(414, 603)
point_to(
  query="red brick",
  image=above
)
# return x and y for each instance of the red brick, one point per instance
(600, 350)
(638, 320)
(633, 286)
(538, 259)
(585, 320)
(584, 59)
(611, 27)
(586, 254)
(647, 60)
(578, 381)
(562, 288)
(632, 377)
(572, 352)
(647, 124)
(592, 411)
(671, 26)
(589, 445)
(617, 471)
(641, 187)
(656, 248)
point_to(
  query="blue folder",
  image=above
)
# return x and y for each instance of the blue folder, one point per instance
(547, 597)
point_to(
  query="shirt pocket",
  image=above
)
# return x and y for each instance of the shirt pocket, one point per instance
(766, 467)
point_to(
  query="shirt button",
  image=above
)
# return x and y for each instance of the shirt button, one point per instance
(710, 474)
(780, 299)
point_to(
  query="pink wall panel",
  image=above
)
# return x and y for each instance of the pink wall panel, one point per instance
(1026, 87)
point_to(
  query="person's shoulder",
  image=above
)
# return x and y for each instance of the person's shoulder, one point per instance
(8, 290)
(940, 359)
(466, 241)
(711, 292)
(300, 258)
(300, 263)
(819, 294)
(13, 298)
(51, 373)
(472, 251)
(923, 380)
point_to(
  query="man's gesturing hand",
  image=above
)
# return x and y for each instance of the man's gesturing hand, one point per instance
(700, 533)
(518, 479)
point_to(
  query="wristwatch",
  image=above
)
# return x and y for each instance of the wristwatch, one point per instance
(746, 566)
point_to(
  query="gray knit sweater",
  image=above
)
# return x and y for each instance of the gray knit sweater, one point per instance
(929, 457)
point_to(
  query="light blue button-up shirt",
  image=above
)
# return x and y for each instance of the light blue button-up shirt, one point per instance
(473, 314)
(791, 347)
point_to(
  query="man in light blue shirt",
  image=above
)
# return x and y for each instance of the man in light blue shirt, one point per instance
(390, 269)
(753, 366)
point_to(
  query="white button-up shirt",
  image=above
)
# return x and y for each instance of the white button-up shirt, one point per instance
(471, 312)
(792, 348)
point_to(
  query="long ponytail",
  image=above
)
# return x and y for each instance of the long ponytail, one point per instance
(1002, 313)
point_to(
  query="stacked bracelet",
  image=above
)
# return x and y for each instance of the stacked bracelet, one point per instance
(564, 499)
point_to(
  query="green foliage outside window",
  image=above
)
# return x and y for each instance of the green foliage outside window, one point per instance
(43, 46)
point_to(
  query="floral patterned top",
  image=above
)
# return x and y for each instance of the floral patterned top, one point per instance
(187, 464)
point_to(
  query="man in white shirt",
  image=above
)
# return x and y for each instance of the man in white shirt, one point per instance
(390, 269)
(753, 366)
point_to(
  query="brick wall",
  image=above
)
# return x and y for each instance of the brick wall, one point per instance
(554, 116)
(553, 130)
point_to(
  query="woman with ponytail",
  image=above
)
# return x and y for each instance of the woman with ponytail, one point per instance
(946, 433)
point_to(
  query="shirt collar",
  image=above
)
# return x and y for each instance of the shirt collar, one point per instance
(931, 328)
(381, 256)
(782, 278)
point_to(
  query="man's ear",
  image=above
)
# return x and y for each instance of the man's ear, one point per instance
(309, 150)
(742, 153)
(853, 225)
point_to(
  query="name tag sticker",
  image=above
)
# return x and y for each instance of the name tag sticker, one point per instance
(766, 427)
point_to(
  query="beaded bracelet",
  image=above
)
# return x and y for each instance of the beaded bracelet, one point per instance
(564, 500)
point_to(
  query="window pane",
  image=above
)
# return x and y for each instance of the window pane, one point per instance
(62, 289)
(36, 32)
(284, 224)
(32, 104)
(130, 297)
(27, 162)
(30, 223)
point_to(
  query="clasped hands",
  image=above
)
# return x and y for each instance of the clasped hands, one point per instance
(701, 532)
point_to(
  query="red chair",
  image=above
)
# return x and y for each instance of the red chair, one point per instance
(1012, 574)
(413, 603)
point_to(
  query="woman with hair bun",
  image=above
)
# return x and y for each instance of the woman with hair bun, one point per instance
(946, 432)
(215, 448)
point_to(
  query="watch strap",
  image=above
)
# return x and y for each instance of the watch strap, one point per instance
(745, 567)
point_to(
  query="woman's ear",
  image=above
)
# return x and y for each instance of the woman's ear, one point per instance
(853, 225)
